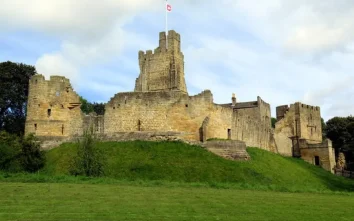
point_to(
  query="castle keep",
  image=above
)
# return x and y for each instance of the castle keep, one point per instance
(161, 106)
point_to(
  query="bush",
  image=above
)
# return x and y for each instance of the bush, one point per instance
(32, 158)
(20, 154)
(10, 152)
(89, 160)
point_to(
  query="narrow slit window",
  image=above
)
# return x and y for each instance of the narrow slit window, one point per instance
(35, 126)
(139, 125)
(62, 129)
(49, 112)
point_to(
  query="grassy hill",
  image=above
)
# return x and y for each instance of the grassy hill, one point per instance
(179, 162)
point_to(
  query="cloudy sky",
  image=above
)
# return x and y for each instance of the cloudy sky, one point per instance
(282, 50)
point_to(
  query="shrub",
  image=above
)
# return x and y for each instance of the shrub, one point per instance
(32, 158)
(89, 160)
(20, 154)
(10, 152)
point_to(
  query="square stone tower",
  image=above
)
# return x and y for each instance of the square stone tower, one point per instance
(163, 69)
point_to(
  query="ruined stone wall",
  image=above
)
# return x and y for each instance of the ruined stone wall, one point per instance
(285, 129)
(310, 122)
(53, 108)
(167, 111)
(251, 124)
(163, 69)
(229, 149)
(323, 150)
(299, 121)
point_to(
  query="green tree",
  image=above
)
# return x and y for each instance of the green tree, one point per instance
(32, 158)
(10, 152)
(336, 130)
(14, 78)
(324, 136)
(99, 108)
(89, 160)
(20, 153)
(341, 131)
(86, 106)
(273, 121)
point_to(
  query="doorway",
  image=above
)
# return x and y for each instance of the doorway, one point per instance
(229, 134)
(317, 160)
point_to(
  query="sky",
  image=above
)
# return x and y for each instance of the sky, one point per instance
(284, 51)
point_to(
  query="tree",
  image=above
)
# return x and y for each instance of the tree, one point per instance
(10, 152)
(20, 153)
(336, 130)
(273, 121)
(32, 158)
(14, 79)
(323, 129)
(99, 108)
(89, 160)
(86, 106)
(341, 131)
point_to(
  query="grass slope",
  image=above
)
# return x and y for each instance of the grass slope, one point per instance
(179, 162)
(48, 201)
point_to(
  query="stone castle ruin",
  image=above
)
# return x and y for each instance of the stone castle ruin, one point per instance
(160, 108)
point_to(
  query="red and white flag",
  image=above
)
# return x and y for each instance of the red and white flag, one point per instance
(168, 7)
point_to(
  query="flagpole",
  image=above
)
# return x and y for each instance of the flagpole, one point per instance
(166, 25)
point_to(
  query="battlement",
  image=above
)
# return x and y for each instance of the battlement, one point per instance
(307, 107)
(39, 78)
(163, 68)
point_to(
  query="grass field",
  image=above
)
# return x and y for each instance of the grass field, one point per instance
(45, 201)
(179, 162)
(176, 181)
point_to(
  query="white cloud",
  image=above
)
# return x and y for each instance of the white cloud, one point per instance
(282, 50)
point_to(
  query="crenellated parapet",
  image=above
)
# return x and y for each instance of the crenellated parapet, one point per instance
(53, 108)
(163, 68)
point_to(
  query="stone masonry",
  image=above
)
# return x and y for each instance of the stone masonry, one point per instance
(160, 108)
(298, 133)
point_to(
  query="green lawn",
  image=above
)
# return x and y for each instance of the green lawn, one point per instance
(176, 181)
(53, 201)
(179, 162)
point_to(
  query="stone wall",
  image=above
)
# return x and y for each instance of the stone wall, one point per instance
(310, 122)
(163, 69)
(228, 149)
(299, 121)
(285, 129)
(167, 111)
(323, 151)
(251, 124)
(53, 108)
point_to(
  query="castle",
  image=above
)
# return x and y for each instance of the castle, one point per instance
(161, 106)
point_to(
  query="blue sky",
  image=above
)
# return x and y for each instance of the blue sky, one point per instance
(282, 50)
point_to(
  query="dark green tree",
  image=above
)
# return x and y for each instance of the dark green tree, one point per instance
(341, 131)
(10, 152)
(336, 130)
(14, 78)
(86, 106)
(20, 153)
(323, 129)
(99, 108)
(32, 158)
(273, 121)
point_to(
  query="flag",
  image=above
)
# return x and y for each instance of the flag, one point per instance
(168, 7)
